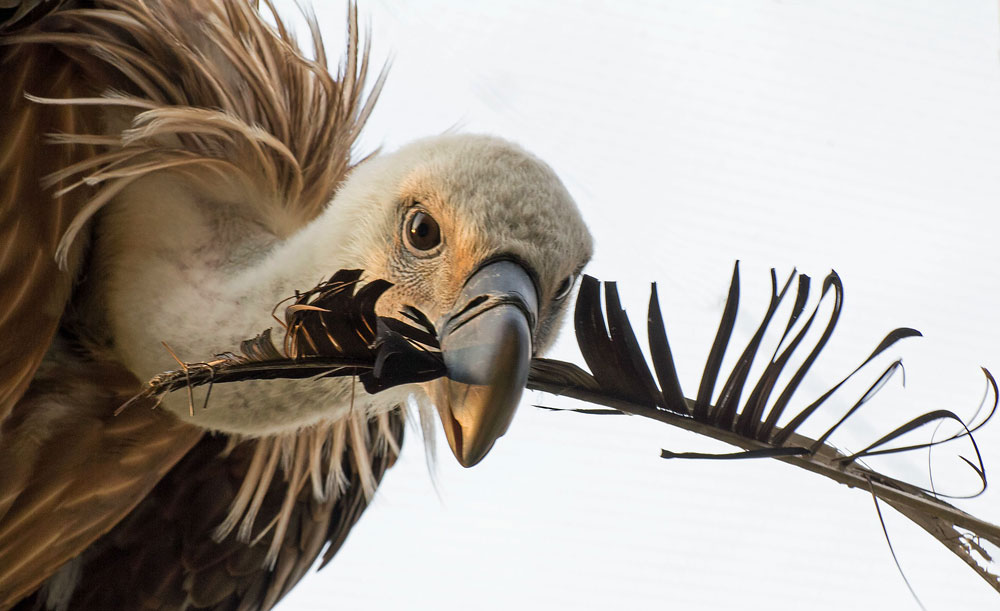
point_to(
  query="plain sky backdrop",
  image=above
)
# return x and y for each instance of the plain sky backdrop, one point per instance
(853, 135)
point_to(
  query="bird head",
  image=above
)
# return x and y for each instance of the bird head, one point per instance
(484, 239)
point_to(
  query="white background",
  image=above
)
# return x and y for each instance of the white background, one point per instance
(858, 136)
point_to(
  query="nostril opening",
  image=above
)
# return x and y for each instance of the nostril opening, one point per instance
(475, 301)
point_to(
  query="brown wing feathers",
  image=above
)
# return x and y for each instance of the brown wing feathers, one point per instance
(72, 469)
(196, 86)
(166, 553)
(32, 221)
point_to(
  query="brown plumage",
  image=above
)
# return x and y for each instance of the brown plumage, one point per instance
(172, 170)
(233, 101)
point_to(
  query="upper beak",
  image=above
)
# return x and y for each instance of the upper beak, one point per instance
(487, 345)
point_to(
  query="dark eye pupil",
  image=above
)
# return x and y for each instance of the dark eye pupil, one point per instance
(423, 232)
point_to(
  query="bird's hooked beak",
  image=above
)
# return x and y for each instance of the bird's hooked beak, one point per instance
(486, 342)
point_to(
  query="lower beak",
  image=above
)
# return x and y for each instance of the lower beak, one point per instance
(487, 346)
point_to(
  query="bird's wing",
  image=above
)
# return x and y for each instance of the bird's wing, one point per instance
(33, 213)
(201, 86)
(72, 469)
(167, 550)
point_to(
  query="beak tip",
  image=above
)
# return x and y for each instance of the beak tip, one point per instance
(470, 446)
(469, 461)
(473, 456)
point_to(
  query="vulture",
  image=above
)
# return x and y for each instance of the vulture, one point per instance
(171, 173)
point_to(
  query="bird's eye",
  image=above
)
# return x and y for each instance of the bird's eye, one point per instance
(564, 288)
(422, 231)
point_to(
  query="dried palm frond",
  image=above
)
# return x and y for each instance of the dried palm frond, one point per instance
(621, 380)
(334, 331)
